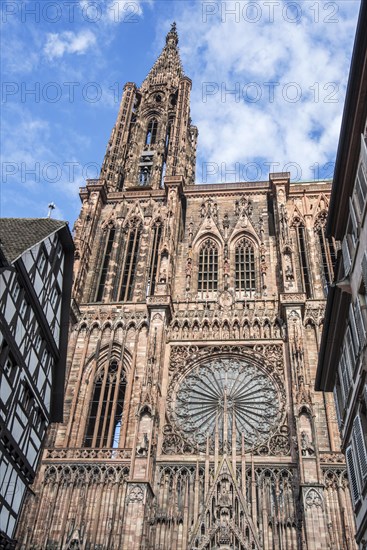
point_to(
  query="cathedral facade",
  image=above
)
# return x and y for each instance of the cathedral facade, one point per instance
(190, 416)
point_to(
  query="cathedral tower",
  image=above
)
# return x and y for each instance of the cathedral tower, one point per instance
(190, 417)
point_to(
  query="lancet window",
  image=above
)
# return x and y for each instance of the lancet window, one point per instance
(105, 264)
(120, 182)
(144, 175)
(305, 271)
(130, 261)
(154, 258)
(106, 407)
(151, 135)
(208, 267)
(245, 267)
(169, 131)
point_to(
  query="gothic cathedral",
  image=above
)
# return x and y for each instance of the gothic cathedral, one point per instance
(190, 421)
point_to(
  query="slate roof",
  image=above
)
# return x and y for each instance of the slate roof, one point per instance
(20, 234)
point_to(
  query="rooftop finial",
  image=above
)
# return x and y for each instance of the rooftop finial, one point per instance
(51, 207)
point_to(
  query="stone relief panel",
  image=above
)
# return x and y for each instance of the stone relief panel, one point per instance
(313, 499)
(136, 494)
(227, 322)
(269, 501)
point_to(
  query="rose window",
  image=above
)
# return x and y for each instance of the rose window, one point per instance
(226, 392)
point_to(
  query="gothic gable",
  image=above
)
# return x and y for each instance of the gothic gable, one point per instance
(224, 521)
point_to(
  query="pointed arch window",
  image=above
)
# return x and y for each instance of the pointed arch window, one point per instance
(120, 182)
(154, 258)
(169, 131)
(105, 264)
(130, 262)
(208, 267)
(106, 407)
(144, 175)
(163, 174)
(305, 271)
(151, 135)
(245, 267)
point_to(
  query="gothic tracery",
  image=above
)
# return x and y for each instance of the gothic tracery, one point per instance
(190, 416)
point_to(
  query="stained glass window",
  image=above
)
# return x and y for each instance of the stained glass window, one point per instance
(130, 262)
(245, 267)
(208, 267)
(223, 392)
(106, 407)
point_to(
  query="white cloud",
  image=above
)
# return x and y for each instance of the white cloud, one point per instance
(231, 52)
(68, 42)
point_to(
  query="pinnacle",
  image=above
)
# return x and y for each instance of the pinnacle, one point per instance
(172, 34)
(168, 67)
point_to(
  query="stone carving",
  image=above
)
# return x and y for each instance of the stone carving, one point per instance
(75, 538)
(212, 324)
(243, 207)
(77, 474)
(226, 300)
(173, 443)
(188, 272)
(117, 316)
(313, 499)
(332, 457)
(288, 265)
(209, 209)
(225, 224)
(273, 353)
(320, 220)
(279, 445)
(143, 445)
(82, 455)
(219, 523)
(315, 311)
(293, 297)
(191, 231)
(136, 494)
(306, 446)
(284, 225)
(226, 271)
(178, 483)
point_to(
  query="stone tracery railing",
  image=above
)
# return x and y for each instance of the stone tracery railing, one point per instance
(87, 454)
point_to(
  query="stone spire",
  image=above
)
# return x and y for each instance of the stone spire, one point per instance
(168, 66)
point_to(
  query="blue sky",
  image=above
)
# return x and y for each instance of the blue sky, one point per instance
(269, 81)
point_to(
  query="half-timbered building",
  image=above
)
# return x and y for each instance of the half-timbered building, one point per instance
(36, 258)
